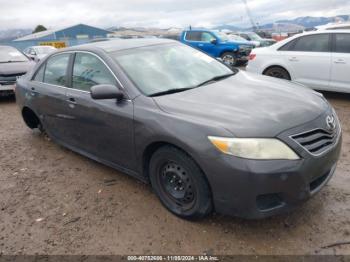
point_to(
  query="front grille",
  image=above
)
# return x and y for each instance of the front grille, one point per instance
(12, 75)
(316, 141)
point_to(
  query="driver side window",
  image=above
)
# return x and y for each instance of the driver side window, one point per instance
(88, 71)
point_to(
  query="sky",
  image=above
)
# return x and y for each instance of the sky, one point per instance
(159, 13)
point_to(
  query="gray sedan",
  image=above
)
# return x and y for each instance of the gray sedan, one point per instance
(206, 137)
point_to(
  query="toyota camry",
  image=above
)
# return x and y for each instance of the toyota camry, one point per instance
(206, 137)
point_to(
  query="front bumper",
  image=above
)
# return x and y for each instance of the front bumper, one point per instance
(243, 54)
(257, 189)
(7, 89)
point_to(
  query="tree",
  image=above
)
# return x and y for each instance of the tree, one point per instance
(39, 28)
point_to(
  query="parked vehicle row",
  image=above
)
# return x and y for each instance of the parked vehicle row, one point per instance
(218, 45)
(206, 137)
(319, 60)
(256, 39)
(240, 40)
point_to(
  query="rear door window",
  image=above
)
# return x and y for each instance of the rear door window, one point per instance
(289, 46)
(56, 70)
(342, 43)
(194, 36)
(312, 43)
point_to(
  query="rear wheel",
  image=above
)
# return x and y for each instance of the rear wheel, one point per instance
(179, 183)
(229, 58)
(277, 72)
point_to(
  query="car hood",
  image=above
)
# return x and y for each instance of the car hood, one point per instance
(246, 43)
(247, 105)
(15, 68)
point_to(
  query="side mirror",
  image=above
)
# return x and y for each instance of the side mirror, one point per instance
(100, 92)
(32, 53)
(214, 41)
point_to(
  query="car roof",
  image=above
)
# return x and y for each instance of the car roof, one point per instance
(318, 32)
(325, 31)
(122, 44)
(198, 30)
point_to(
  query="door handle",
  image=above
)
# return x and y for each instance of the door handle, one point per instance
(340, 61)
(293, 59)
(32, 93)
(200, 45)
(72, 100)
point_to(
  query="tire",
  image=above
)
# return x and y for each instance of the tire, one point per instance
(32, 120)
(180, 184)
(229, 58)
(277, 72)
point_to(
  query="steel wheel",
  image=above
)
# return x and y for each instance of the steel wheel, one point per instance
(177, 185)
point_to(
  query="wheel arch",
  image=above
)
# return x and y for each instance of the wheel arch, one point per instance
(227, 51)
(30, 118)
(151, 148)
(279, 66)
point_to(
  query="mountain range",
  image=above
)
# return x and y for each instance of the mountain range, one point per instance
(10, 34)
(296, 24)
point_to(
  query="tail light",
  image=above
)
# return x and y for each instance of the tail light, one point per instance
(252, 56)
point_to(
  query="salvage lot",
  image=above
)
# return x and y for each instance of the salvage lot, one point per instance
(54, 201)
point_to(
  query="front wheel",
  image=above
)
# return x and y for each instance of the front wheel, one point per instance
(180, 184)
(229, 58)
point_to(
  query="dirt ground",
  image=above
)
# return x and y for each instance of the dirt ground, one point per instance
(54, 201)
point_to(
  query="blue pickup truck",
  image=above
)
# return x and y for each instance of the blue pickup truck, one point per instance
(218, 45)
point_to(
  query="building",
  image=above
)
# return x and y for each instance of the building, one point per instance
(62, 37)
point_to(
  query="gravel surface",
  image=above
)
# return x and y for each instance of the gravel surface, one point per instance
(54, 201)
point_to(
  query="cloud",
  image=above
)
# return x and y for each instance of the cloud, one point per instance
(159, 13)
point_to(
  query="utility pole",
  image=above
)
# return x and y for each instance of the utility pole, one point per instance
(254, 26)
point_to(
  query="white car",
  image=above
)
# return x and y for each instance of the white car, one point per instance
(319, 60)
(37, 53)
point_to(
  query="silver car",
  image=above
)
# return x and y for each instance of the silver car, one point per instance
(37, 53)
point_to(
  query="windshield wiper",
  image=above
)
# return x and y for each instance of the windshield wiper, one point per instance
(215, 78)
(170, 91)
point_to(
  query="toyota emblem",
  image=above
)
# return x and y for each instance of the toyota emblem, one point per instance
(330, 121)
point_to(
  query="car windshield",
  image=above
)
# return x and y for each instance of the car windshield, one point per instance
(166, 68)
(254, 36)
(44, 49)
(10, 54)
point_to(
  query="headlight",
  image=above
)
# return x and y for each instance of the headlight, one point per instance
(254, 148)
